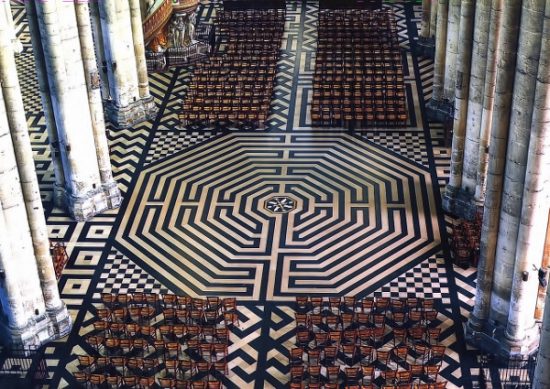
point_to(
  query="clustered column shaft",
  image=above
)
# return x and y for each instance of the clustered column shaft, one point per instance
(63, 49)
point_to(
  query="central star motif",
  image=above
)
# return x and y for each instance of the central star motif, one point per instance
(280, 204)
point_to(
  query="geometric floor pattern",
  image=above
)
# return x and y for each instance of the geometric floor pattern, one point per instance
(198, 217)
(354, 186)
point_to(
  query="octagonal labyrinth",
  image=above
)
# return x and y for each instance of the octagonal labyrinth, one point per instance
(200, 220)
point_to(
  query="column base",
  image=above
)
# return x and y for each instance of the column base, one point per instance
(35, 333)
(134, 113)
(491, 338)
(61, 321)
(440, 110)
(424, 47)
(460, 203)
(112, 193)
(87, 205)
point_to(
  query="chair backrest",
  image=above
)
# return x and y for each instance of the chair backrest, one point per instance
(296, 372)
(214, 385)
(167, 383)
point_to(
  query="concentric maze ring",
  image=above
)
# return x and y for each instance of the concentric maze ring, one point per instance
(199, 220)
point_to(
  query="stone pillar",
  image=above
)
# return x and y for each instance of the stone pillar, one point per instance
(10, 296)
(486, 275)
(541, 377)
(125, 107)
(29, 324)
(475, 105)
(139, 49)
(531, 100)
(426, 17)
(434, 106)
(47, 106)
(16, 45)
(84, 195)
(488, 100)
(31, 192)
(433, 19)
(545, 266)
(453, 30)
(91, 73)
(99, 49)
(461, 102)
(523, 97)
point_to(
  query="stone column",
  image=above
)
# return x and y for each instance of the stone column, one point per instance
(33, 327)
(426, 17)
(516, 154)
(126, 107)
(10, 295)
(488, 100)
(47, 106)
(5, 9)
(434, 104)
(461, 102)
(453, 29)
(506, 51)
(31, 192)
(545, 265)
(99, 49)
(475, 105)
(139, 49)
(521, 331)
(433, 19)
(541, 377)
(91, 73)
(84, 196)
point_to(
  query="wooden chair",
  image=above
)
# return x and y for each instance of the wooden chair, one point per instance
(96, 379)
(296, 373)
(86, 362)
(431, 372)
(130, 381)
(186, 366)
(81, 377)
(352, 375)
(332, 373)
(166, 383)
(436, 355)
(296, 356)
(147, 382)
(302, 304)
(220, 367)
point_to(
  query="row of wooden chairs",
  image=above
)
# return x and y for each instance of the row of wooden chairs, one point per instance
(366, 375)
(208, 349)
(332, 385)
(370, 53)
(175, 368)
(142, 382)
(465, 241)
(356, 320)
(237, 75)
(375, 337)
(150, 333)
(378, 304)
(370, 336)
(398, 357)
(167, 300)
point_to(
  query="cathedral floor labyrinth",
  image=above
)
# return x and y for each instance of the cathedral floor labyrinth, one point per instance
(271, 216)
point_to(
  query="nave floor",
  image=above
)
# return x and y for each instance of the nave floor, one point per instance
(365, 219)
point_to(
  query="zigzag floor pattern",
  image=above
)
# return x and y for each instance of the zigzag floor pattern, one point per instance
(259, 350)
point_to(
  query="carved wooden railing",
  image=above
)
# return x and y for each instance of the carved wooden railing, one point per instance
(155, 22)
(186, 5)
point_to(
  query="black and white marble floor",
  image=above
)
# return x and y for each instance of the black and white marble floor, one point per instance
(365, 216)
